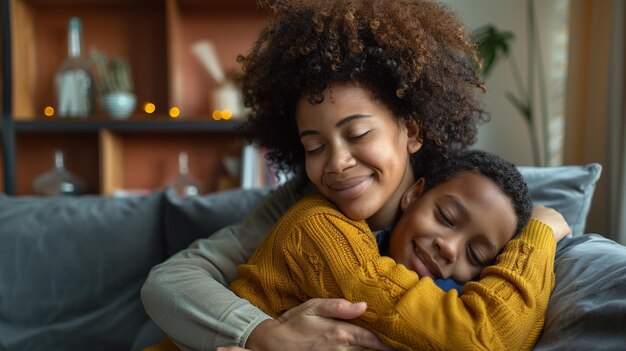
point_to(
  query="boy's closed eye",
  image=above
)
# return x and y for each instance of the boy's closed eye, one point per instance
(484, 251)
(444, 216)
(476, 257)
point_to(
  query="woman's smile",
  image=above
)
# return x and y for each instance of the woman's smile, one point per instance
(351, 187)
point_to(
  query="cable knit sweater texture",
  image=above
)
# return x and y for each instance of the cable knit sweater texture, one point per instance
(315, 251)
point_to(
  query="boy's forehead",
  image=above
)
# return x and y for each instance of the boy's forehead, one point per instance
(479, 200)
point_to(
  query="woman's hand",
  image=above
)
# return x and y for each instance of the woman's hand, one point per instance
(554, 220)
(312, 326)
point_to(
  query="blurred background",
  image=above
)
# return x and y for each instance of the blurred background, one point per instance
(555, 92)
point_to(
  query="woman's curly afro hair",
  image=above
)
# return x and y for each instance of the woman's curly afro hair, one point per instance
(503, 173)
(413, 55)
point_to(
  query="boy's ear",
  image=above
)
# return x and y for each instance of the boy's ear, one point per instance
(413, 193)
(413, 132)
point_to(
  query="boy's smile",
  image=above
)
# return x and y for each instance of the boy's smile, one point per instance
(422, 264)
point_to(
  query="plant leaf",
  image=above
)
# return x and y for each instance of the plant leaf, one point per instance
(491, 45)
(522, 107)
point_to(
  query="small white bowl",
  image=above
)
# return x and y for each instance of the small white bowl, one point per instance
(119, 105)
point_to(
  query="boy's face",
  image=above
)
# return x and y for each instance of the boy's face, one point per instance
(356, 153)
(454, 229)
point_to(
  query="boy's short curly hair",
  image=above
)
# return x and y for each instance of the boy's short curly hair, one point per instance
(503, 173)
(413, 55)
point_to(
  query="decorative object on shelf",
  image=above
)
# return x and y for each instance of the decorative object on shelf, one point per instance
(58, 180)
(184, 184)
(256, 171)
(73, 79)
(119, 105)
(226, 99)
(115, 85)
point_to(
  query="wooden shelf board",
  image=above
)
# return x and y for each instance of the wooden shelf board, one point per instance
(126, 126)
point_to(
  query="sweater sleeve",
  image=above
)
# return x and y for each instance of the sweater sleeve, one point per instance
(187, 296)
(504, 310)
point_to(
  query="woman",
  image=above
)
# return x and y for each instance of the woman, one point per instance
(411, 56)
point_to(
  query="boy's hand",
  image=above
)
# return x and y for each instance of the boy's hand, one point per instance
(554, 220)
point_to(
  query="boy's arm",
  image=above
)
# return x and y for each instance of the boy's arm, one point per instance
(503, 310)
(186, 295)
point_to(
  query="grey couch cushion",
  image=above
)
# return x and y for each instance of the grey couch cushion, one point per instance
(568, 189)
(71, 270)
(191, 218)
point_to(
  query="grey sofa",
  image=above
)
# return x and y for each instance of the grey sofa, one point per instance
(71, 268)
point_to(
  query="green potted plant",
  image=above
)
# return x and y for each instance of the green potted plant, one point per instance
(113, 80)
(493, 45)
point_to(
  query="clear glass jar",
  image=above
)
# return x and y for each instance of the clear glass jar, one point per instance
(184, 184)
(74, 80)
(58, 180)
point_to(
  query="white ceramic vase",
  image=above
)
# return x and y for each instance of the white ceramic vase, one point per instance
(119, 105)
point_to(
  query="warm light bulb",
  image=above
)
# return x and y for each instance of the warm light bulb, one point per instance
(174, 112)
(149, 107)
(48, 111)
(226, 114)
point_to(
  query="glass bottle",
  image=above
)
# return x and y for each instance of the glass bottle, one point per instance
(184, 184)
(74, 81)
(58, 180)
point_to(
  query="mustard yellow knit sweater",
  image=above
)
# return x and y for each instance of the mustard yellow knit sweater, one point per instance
(315, 251)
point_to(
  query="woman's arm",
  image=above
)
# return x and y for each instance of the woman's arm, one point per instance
(186, 295)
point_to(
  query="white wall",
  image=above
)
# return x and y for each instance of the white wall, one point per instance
(507, 133)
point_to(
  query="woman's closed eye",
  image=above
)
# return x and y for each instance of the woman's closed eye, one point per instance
(312, 148)
(358, 134)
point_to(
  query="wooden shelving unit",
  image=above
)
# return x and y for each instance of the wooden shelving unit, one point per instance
(156, 37)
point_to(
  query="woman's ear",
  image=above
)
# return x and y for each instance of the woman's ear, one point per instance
(414, 138)
(413, 193)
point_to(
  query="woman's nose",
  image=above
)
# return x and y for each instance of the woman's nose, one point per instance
(339, 159)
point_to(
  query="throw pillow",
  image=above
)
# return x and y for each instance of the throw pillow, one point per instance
(568, 189)
(194, 217)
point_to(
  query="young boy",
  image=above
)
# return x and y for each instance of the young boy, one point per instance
(455, 221)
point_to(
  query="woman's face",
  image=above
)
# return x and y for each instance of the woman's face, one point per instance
(356, 153)
(453, 230)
